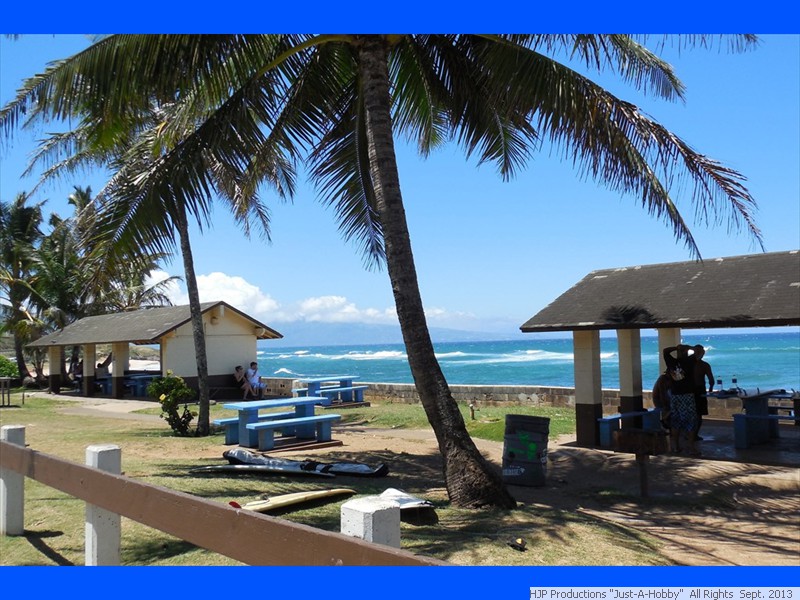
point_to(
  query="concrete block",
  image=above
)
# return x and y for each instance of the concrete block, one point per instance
(372, 519)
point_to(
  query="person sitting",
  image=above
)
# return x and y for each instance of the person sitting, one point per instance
(243, 383)
(101, 370)
(255, 380)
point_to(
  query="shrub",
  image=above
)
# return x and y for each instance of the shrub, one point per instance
(171, 391)
(8, 368)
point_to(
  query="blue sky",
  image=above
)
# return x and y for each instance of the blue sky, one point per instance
(489, 253)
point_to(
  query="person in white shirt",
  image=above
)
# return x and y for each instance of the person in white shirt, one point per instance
(255, 380)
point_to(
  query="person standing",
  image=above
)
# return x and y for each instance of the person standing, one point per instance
(661, 400)
(683, 413)
(702, 371)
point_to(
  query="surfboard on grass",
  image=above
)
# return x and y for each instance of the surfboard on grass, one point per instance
(271, 469)
(240, 456)
(284, 500)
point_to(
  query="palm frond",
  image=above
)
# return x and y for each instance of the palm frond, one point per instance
(339, 162)
(612, 141)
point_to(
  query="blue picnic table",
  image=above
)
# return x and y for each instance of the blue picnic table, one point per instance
(105, 384)
(342, 388)
(762, 411)
(140, 381)
(248, 413)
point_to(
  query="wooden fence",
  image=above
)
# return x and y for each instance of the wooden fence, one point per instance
(249, 537)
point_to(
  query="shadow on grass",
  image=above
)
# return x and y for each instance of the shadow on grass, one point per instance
(37, 540)
(149, 551)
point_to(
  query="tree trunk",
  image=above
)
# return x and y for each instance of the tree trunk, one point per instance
(197, 324)
(471, 481)
(16, 310)
(20, 357)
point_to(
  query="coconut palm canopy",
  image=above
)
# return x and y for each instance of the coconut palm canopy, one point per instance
(187, 120)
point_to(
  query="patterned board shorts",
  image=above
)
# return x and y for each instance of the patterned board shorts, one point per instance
(684, 413)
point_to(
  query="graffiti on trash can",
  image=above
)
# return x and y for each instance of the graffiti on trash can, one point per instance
(527, 449)
(513, 471)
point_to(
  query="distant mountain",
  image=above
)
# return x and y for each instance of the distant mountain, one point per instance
(303, 333)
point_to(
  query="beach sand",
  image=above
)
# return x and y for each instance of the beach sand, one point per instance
(134, 364)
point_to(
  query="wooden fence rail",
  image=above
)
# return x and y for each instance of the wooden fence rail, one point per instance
(246, 536)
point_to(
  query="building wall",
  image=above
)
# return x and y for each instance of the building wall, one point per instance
(230, 341)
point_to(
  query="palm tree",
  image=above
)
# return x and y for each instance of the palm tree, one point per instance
(240, 110)
(19, 235)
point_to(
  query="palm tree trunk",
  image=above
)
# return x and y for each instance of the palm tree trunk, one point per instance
(471, 481)
(20, 357)
(19, 317)
(197, 324)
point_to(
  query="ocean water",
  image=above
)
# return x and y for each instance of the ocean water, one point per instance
(764, 360)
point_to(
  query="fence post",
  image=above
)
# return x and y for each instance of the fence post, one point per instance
(12, 487)
(372, 519)
(103, 531)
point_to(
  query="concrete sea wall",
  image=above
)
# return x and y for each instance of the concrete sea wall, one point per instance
(526, 395)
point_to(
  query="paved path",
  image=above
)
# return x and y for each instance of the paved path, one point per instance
(108, 407)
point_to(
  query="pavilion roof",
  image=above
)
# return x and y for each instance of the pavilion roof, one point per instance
(143, 326)
(754, 290)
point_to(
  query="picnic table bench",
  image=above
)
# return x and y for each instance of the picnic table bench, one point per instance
(749, 429)
(353, 393)
(266, 429)
(249, 414)
(231, 424)
(340, 388)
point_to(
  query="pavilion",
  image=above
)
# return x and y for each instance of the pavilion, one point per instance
(230, 336)
(754, 290)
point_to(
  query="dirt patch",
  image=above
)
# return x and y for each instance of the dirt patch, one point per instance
(705, 512)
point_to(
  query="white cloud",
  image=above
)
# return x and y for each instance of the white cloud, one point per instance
(249, 298)
(338, 309)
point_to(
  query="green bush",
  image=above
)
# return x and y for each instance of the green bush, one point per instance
(8, 368)
(171, 391)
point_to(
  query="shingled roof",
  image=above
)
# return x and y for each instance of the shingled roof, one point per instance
(145, 326)
(754, 290)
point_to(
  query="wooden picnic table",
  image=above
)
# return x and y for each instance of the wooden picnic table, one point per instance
(248, 413)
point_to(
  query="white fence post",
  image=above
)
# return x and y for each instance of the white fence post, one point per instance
(373, 520)
(12, 487)
(103, 531)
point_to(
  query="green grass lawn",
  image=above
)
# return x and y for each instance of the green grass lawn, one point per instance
(151, 454)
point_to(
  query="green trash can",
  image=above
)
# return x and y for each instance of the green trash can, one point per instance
(525, 450)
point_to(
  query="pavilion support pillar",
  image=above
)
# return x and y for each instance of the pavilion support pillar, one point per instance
(588, 387)
(630, 370)
(666, 339)
(629, 342)
(54, 369)
(121, 352)
(89, 360)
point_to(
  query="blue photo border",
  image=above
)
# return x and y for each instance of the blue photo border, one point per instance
(386, 583)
